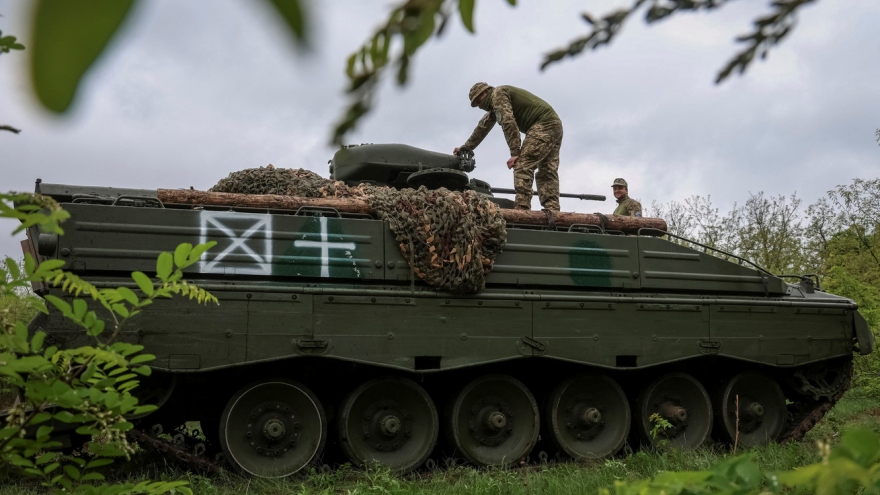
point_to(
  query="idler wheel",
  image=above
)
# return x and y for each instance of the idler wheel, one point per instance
(681, 400)
(494, 421)
(388, 421)
(272, 429)
(588, 417)
(762, 411)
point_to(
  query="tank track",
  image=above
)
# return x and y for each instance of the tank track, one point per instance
(183, 448)
(806, 414)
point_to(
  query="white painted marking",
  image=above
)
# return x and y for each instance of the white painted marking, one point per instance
(325, 246)
(258, 250)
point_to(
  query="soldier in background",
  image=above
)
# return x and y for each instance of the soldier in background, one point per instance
(517, 110)
(625, 205)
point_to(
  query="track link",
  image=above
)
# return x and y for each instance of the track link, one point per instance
(179, 452)
(806, 414)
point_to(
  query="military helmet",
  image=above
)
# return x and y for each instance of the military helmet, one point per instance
(619, 182)
(477, 90)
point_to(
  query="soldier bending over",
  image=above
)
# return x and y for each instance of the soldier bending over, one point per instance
(517, 110)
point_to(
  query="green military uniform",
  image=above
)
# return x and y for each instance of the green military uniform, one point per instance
(517, 110)
(626, 205)
(629, 207)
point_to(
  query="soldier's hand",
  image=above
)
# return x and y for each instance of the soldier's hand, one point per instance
(511, 162)
(455, 151)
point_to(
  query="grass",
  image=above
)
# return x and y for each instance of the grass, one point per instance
(564, 478)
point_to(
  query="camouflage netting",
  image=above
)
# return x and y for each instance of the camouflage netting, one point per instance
(271, 180)
(450, 239)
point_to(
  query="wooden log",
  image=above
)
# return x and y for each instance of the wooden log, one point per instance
(625, 224)
(268, 201)
(628, 225)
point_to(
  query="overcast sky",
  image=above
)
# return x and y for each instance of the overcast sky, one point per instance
(194, 90)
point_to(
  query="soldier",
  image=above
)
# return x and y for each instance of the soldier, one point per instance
(625, 204)
(517, 110)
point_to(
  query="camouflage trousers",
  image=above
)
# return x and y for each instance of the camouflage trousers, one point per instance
(540, 151)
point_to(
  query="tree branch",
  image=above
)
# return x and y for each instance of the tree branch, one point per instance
(769, 30)
(9, 128)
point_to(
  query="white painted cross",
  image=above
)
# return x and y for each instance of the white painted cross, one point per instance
(254, 244)
(325, 247)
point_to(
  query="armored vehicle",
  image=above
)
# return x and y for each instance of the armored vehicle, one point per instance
(326, 346)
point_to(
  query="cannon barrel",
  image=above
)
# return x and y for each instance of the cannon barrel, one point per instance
(585, 197)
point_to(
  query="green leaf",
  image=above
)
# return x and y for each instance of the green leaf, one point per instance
(97, 328)
(860, 445)
(68, 38)
(199, 250)
(129, 376)
(17, 460)
(143, 370)
(79, 309)
(121, 310)
(402, 70)
(144, 283)
(349, 65)
(12, 266)
(181, 253)
(92, 477)
(466, 9)
(294, 16)
(72, 472)
(142, 358)
(49, 266)
(164, 266)
(748, 471)
(37, 341)
(60, 304)
(41, 417)
(127, 294)
(43, 433)
(96, 463)
(29, 264)
(68, 417)
(143, 409)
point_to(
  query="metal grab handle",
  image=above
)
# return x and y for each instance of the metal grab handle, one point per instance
(710, 248)
(142, 198)
(89, 198)
(316, 211)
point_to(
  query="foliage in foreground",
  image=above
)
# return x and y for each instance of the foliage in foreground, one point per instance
(854, 464)
(89, 387)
